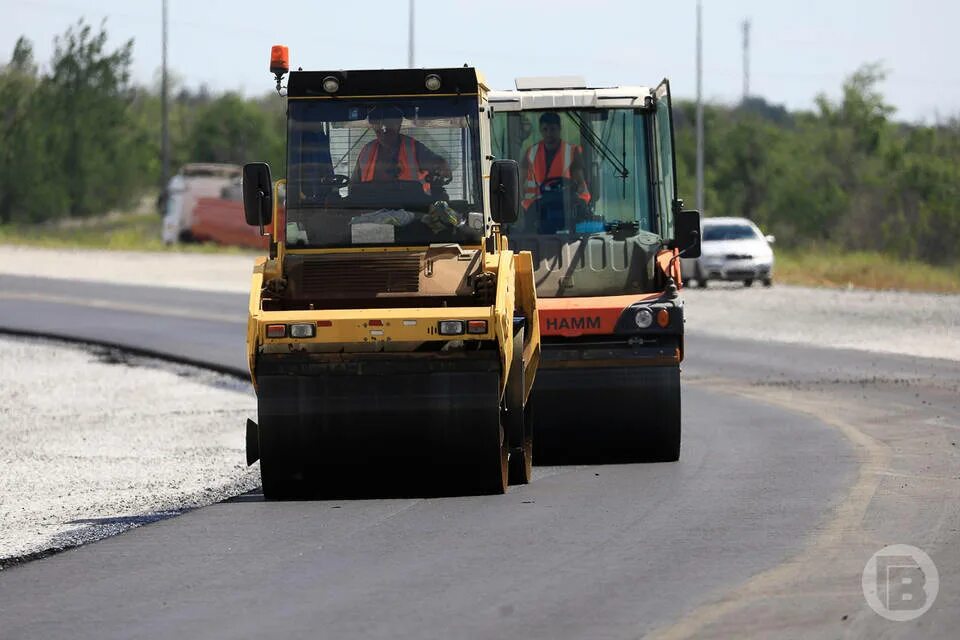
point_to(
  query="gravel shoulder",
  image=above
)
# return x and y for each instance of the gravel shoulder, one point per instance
(93, 443)
(917, 324)
(206, 272)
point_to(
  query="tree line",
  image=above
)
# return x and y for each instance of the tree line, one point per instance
(79, 139)
(844, 175)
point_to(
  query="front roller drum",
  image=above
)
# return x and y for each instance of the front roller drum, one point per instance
(410, 433)
(607, 415)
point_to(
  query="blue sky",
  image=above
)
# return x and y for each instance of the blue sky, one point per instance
(798, 49)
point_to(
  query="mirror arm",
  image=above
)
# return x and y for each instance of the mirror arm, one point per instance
(671, 287)
(260, 197)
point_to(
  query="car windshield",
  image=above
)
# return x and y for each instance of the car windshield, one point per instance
(728, 232)
(581, 171)
(374, 172)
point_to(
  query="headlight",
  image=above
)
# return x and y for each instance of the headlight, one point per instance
(303, 330)
(451, 327)
(331, 84)
(644, 318)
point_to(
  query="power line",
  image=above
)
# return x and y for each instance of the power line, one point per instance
(699, 107)
(410, 43)
(746, 59)
(164, 115)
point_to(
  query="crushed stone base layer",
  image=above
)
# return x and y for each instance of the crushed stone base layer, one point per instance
(93, 442)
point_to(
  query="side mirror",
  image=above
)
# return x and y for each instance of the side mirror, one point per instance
(505, 191)
(257, 194)
(770, 239)
(686, 234)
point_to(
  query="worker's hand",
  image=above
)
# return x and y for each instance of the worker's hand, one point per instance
(439, 178)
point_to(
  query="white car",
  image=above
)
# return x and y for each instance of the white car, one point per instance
(732, 249)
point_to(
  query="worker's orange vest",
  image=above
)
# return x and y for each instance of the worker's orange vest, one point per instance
(537, 171)
(407, 159)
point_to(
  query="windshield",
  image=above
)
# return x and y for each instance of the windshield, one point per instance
(728, 232)
(581, 171)
(368, 172)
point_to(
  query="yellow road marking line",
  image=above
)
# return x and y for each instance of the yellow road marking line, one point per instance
(844, 522)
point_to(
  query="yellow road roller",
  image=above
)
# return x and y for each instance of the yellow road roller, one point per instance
(393, 337)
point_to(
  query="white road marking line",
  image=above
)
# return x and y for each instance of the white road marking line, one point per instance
(98, 303)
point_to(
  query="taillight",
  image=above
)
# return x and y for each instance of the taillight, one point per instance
(476, 326)
(276, 330)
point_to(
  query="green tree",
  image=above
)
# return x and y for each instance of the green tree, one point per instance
(26, 146)
(104, 156)
(231, 129)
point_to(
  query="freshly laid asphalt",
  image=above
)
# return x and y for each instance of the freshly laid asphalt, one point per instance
(610, 551)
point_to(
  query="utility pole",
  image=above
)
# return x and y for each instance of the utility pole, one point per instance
(410, 44)
(699, 107)
(164, 119)
(746, 59)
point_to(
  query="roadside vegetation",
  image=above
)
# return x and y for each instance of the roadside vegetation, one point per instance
(852, 194)
(863, 270)
(78, 139)
(845, 177)
(127, 231)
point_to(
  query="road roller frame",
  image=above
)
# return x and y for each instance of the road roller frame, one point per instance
(608, 389)
(383, 364)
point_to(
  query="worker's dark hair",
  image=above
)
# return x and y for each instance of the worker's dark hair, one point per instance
(385, 112)
(550, 118)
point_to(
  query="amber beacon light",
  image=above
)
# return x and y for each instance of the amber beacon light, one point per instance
(279, 60)
(279, 63)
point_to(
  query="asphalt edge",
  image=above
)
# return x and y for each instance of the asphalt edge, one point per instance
(233, 372)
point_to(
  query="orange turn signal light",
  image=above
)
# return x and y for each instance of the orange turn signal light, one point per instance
(279, 59)
(663, 318)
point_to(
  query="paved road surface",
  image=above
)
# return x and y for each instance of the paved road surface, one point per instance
(779, 468)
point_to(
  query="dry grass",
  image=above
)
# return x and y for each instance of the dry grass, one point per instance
(863, 270)
(138, 231)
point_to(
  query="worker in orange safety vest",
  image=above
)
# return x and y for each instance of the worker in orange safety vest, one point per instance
(552, 157)
(394, 156)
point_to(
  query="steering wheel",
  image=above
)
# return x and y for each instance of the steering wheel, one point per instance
(557, 184)
(335, 180)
